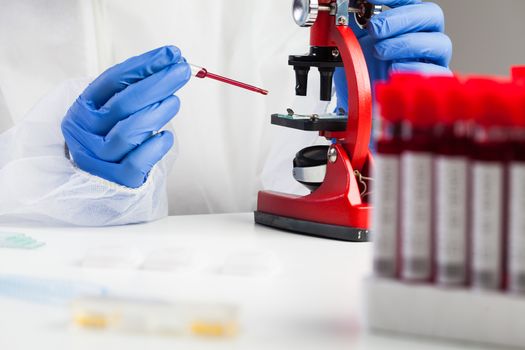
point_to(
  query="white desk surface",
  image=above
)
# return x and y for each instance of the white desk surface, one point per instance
(313, 301)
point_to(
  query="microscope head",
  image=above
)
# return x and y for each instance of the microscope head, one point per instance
(310, 13)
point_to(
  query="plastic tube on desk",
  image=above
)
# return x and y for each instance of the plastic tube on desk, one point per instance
(516, 197)
(155, 317)
(416, 185)
(488, 174)
(385, 194)
(450, 183)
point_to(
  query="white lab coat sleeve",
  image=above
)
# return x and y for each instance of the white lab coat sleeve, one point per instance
(5, 116)
(38, 183)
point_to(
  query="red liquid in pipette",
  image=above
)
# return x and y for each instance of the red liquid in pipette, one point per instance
(203, 73)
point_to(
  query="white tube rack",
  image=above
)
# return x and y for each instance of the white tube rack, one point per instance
(454, 314)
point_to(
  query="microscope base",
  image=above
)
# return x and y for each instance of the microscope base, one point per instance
(310, 228)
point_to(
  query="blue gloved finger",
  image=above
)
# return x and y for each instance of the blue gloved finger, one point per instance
(139, 162)
(424, 17)
(420, 67)
(148, 91)
(118, 77)
(87, 161)
(133, 170)
(394, 3)
(137, 128)
(127, 134)
(428, 47)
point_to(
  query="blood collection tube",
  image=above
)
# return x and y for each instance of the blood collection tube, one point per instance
(416, 182)
(451, 183)
(385, 194)
(489, 156)
(516, 198)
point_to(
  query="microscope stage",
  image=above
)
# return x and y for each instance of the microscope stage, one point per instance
(314, 122)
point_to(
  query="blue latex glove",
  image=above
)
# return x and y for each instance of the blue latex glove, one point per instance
(406, 38)
(111, 129)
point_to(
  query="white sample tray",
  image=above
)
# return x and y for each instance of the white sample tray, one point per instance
(453, 314)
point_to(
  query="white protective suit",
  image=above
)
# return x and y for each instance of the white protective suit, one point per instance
(227, 149)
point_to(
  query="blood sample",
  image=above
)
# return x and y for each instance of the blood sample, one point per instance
(489, 156)
(385, 194)
(416, 183)
(516, 198)
(202, 73)
(450, 183)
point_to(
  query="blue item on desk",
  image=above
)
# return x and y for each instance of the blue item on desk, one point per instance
(18, 241)
(46, 291)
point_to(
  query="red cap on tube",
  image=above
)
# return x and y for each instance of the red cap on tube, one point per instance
(489, 101)
(427, 105)
(406, 84)
(518, 74)
(394, 97)
(483, 101)
(451, 100)
(422, 98)
(391, 101)
(518, 106)
(410, 85)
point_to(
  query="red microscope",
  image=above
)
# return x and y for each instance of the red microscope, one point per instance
(337, 175)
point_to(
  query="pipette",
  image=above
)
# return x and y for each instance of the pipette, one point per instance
(202, 73)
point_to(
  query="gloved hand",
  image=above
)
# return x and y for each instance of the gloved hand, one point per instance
(406, 38)
(111, 129)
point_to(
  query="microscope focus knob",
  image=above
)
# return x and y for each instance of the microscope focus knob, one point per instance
(305, 12)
